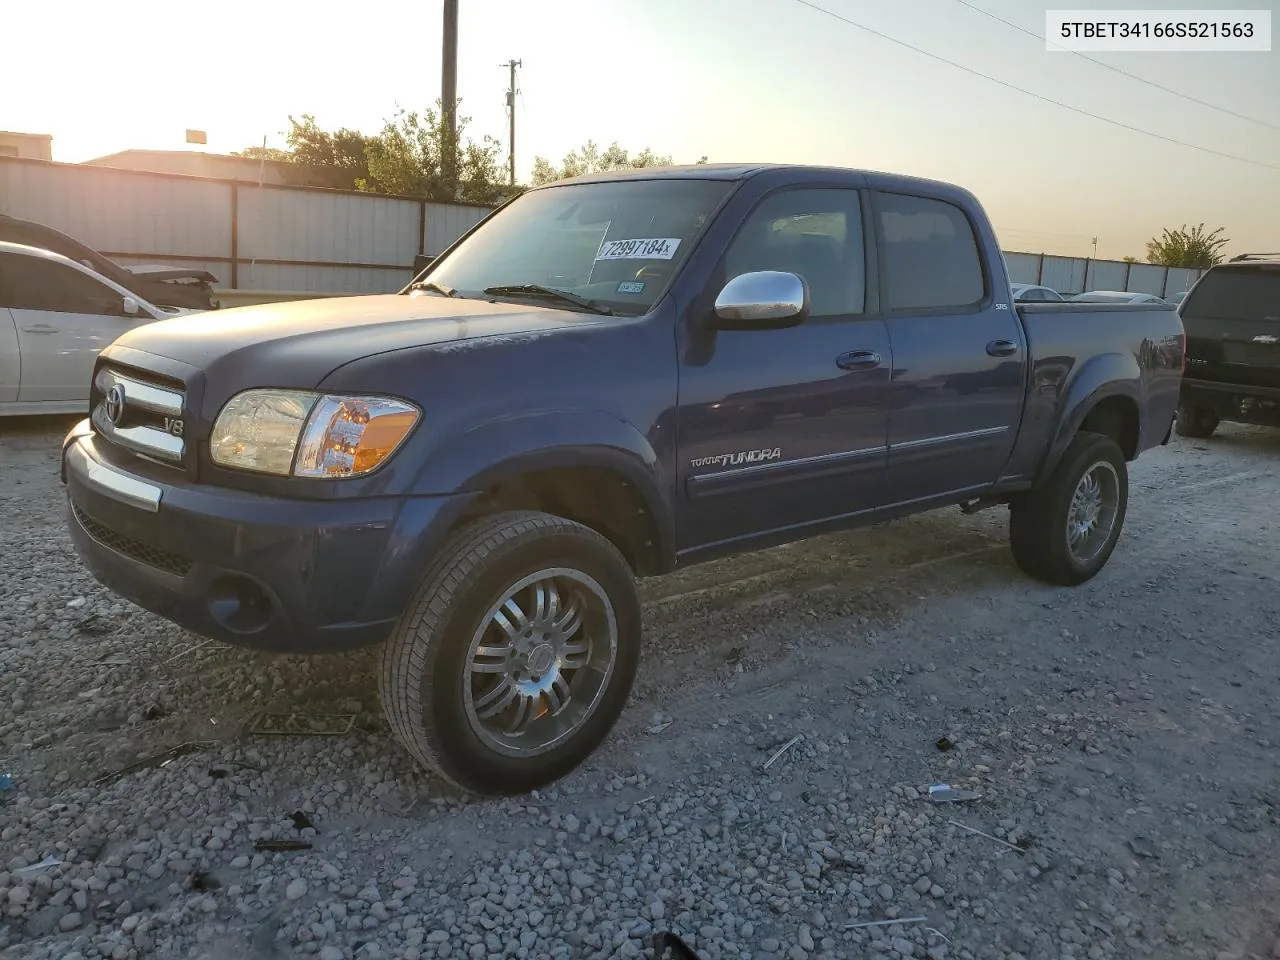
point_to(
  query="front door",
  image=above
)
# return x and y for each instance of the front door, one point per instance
(959, 355)
(63, 319)
(782, 429)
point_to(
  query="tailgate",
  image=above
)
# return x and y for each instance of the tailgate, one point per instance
(1232, 319)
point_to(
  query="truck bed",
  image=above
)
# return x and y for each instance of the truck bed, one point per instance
(1063, 339)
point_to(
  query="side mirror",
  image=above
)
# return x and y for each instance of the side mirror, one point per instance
(764, 300)
(129, 307)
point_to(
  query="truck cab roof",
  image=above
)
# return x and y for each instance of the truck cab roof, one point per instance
(785, 171)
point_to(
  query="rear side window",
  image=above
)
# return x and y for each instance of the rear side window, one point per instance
(32, 283)
(930, 254)
(1236, 293)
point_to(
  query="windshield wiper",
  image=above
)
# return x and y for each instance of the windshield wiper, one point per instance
(432, 285)
(548, 293)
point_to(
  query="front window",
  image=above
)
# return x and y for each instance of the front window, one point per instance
(616, 244)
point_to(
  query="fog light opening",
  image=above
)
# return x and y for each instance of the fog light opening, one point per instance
(239, 604)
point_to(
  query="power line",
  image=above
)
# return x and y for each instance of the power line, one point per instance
(1029, 93)
(1123, 73)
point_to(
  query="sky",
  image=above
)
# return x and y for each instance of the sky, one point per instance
(732, 80)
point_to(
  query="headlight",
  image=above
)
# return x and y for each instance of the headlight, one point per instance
(309, 434)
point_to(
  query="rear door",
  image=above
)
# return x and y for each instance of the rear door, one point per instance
(959, 356)
(1232, 320)
(64, 318)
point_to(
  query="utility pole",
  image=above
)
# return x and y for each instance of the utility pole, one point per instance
(1095, 248)
(511, 108)
(449, 96)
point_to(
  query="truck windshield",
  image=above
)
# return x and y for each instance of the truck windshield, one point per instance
(1236, 293)
(616, 244)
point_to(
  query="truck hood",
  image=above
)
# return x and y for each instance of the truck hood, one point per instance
(298, 343)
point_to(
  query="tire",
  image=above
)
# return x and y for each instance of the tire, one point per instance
(1038, 519)
(1196, 424)
(449, 652)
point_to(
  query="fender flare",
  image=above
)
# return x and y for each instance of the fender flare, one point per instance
(504, 449)
(1101, 377)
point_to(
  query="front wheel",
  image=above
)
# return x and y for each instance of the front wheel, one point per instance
(516, 657)
(1195, 424)
(1064, 532)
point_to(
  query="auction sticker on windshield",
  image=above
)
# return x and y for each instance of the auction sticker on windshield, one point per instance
(657, 248)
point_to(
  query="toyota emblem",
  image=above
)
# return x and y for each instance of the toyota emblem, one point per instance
(114, 406)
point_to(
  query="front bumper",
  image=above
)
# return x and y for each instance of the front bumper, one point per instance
(280, 575)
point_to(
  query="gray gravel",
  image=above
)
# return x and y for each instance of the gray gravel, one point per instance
(1121, 736)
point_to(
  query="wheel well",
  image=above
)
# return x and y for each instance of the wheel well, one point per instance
(597, 497)
(1117, 418)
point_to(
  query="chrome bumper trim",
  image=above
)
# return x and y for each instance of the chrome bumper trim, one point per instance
(109, 481)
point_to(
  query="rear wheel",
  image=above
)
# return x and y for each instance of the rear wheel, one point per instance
(1064, 532)
(515, 659)
(1196, 423)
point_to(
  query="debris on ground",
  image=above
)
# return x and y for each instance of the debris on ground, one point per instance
(1143, 847)
(162, 759)
(884, 923)
(945, 793)
(781, 750)
(45, 864)
(281, 846)
(1006, 843)
(302, 724)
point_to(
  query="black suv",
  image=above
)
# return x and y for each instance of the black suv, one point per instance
(1232, 320)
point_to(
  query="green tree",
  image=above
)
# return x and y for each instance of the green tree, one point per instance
(405, 157)
(337, 159)
(589, 158)
(1130, 259)
(1186, 248)
(408, 157)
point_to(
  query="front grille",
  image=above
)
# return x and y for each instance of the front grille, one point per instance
(152, 556)
(141, 413)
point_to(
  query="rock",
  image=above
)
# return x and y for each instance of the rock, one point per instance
(805, 938)
(70, 922)
(330, 952)
(296, 890)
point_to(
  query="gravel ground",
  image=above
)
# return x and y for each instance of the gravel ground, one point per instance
(1120, 735)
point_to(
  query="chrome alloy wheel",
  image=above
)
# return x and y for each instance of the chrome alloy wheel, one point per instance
(540, 661)
(1092, 514)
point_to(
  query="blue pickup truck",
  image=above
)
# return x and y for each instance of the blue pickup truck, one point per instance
(607, 378)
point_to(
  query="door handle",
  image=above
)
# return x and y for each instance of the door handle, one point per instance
(40, 328)
(1002, 348)
(858, 360)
